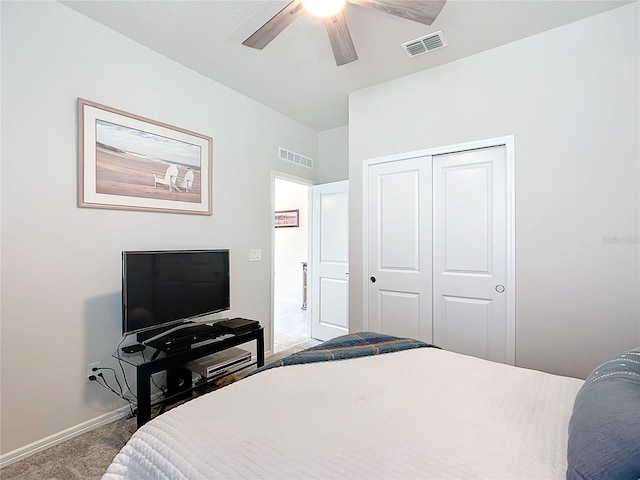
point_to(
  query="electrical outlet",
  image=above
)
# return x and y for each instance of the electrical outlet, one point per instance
(90, 370)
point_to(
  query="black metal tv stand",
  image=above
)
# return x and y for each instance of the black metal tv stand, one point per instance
(152, 360)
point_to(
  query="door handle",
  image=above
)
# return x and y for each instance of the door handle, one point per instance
(499, 288)
(373, 279)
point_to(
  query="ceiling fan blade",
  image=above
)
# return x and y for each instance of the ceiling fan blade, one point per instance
(275, 26)
(421, 11)
(341, 42)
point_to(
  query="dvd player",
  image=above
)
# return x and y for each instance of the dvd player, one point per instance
(220, 363)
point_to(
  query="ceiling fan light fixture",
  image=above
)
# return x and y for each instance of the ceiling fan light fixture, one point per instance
(323, 8)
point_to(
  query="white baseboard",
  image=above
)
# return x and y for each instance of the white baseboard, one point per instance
(67, 434)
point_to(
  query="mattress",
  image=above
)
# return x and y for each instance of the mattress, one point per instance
(422, 413)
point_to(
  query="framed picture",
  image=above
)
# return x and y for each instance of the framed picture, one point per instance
(129, 162)
(287, 218)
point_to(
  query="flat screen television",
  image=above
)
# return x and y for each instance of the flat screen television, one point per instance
(163, 289)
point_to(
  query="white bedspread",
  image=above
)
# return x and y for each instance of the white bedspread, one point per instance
(423, 413)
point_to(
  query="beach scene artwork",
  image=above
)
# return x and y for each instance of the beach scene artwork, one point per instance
(129, 162)
(136, 163)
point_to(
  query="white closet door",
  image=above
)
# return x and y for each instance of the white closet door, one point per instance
(470, 253)
(399, 235)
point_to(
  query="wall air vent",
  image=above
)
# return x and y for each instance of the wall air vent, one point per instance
(296, 158)
(425, 44)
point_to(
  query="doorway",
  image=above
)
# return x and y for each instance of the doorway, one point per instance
(291, 256)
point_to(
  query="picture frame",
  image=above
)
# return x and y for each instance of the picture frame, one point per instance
(287, 218)
(129, 162)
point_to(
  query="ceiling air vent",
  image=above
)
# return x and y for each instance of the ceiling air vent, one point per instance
(425, 44)
(296, 158)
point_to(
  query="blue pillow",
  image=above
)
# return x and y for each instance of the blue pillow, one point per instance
(604, 431)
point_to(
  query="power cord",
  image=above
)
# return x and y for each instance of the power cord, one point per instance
(162, 388)
(99, 376)
(95, 369)
(124, 375)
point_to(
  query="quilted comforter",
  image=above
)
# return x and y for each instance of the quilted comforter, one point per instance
(354, 345)
(417, 413)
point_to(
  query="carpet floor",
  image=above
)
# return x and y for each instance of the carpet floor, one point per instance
(84, 457)
(87, 456)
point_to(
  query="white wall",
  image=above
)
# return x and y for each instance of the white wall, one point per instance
(333, 155)
(291, 243)
(571, 98)
(61, 264)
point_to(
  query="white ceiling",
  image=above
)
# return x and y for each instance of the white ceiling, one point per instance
(296, 73)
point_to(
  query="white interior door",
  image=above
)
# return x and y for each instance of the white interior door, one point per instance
(470, 253)
(399, 240)
(330, 261)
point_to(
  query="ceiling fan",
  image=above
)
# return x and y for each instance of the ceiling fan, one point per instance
(422, 11)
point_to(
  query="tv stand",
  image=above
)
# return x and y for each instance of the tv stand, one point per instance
(152, 361)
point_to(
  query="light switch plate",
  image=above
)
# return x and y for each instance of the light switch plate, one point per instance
(255, 254)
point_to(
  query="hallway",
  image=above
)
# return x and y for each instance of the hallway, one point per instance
(290, 327)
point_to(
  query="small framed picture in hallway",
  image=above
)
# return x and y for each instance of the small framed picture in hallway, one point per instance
(287, 218)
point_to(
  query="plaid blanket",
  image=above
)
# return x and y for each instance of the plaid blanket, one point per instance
(348, 346)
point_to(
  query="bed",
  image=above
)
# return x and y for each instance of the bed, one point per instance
(373, 406)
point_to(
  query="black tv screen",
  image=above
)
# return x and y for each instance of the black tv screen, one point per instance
(163, 288)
